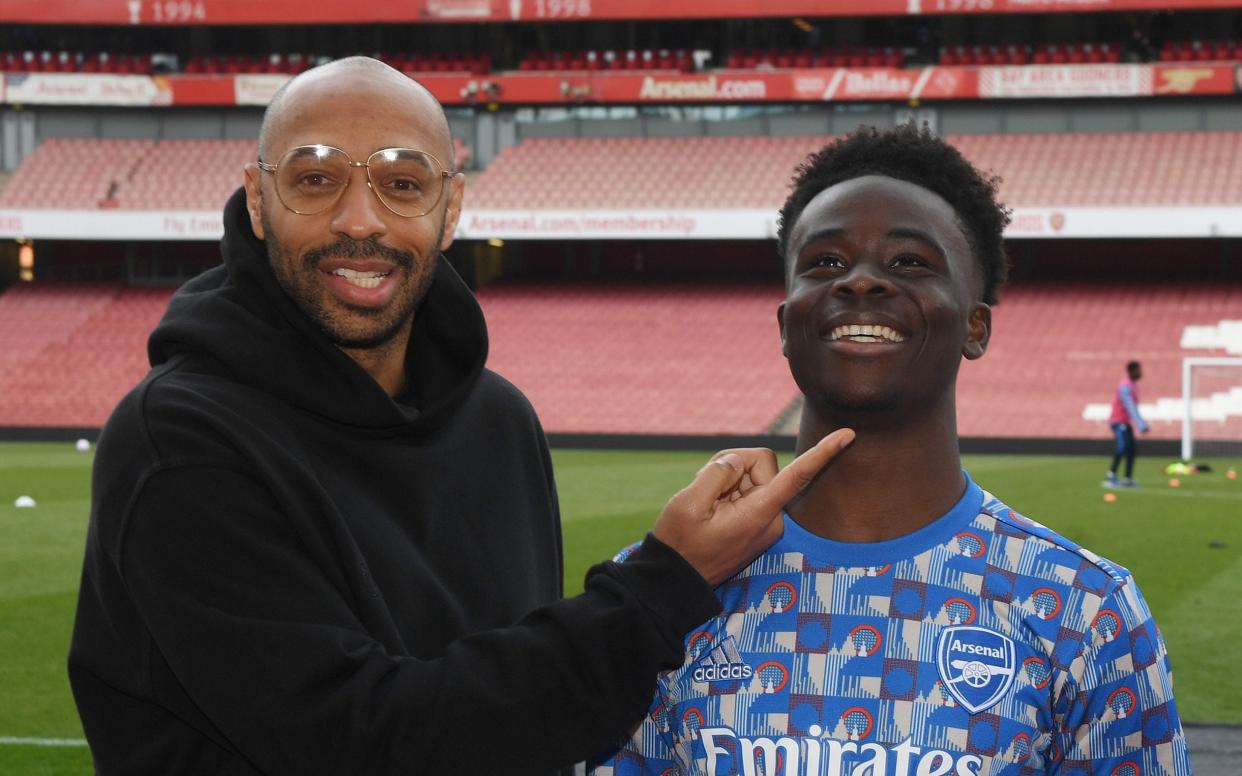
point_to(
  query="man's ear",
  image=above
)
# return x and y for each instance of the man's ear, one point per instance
(452, 214)
(780, 321)
(978, 331)
(254, 197)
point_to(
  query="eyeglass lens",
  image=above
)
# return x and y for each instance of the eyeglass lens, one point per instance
(309, 179)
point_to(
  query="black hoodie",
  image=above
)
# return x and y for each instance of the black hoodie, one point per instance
(289, 572)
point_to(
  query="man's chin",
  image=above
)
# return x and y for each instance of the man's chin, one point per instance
(364, 339)
(851, 401)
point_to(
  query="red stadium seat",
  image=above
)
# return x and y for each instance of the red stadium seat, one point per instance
(1098, 169)
(587, 357)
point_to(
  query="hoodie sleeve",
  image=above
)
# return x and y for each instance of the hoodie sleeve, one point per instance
(268, 651)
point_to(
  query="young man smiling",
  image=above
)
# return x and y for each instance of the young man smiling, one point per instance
(908, 623)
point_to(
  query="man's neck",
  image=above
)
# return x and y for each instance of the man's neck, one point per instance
(899, 475)
(385, 363)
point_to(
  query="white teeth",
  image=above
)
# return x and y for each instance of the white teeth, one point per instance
(361, 279)
(865, 333)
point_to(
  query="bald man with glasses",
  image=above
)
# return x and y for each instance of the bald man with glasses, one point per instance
(324, 538)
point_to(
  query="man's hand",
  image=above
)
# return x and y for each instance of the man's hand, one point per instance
(731, 511)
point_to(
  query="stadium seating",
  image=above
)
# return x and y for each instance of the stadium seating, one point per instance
(158, 180)
(1022, 54)
(642, 359)
(595, 60)
(291, 63)
(1058, 347)
(1194, 168)
(136, 174)
(76, 62)
(72, 350)
(1061, 170)
(73, 173)
(604, 358)
(755, 58)
(1200, 51)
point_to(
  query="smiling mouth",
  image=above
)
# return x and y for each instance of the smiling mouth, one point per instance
(865, 333)
(361, 279)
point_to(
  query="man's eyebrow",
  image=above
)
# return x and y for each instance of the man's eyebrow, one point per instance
(910, 233)
(822, 234)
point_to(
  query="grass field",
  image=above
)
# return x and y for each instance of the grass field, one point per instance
(1184, 545)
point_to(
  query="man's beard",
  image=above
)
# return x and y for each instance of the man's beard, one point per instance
(391, 319)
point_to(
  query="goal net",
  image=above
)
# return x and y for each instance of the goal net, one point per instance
(1211, 408)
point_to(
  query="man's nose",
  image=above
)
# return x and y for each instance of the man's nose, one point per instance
(359, 214)
(863, 279)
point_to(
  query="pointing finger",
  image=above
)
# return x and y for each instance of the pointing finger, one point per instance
(802, 470)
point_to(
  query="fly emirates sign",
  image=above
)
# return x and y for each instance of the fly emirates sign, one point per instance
(815, 756)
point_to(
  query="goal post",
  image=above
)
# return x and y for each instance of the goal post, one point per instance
(1211, 407)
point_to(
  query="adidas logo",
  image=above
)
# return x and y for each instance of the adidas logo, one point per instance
(723, 664)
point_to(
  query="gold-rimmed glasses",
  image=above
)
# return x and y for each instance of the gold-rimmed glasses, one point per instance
(311, 178)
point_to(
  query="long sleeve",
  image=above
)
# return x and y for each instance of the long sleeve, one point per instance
(647, 752)
(271, 660)
(1132, 410)
(1119, 709)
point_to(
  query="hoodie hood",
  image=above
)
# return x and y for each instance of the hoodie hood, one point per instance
(238, 318)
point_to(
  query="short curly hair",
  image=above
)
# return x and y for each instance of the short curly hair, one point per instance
(914, 154)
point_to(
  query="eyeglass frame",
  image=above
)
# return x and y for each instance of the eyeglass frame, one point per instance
(445, 176)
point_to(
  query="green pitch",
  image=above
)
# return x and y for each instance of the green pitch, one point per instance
(1184, 545)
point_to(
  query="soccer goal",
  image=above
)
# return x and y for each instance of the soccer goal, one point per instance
(1211, 407)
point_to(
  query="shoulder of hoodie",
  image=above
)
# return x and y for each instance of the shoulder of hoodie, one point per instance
(1063, 551)
(502, 399)
(183, 413)
(175, 418)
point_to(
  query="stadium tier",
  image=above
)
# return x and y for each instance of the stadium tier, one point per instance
(1060, 170)
(73, 350)
(74, 173)
(603, 358)
(681, 59)
(157, 180)
(1193, 168)
(872, 56)
(692, 359)
(1058, 350)
(628, 59)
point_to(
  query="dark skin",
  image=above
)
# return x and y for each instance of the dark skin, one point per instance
(889, 257)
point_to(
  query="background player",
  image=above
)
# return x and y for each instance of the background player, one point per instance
(907, 622)
(1122, 420)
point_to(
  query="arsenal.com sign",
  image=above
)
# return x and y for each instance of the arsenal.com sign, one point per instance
(708, 88)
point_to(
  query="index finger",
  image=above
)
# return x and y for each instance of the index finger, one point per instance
(799, 473)
(758, 462)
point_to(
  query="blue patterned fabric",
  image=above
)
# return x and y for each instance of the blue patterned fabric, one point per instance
(982, 644)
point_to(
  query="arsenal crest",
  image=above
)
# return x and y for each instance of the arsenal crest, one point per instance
(977, 665)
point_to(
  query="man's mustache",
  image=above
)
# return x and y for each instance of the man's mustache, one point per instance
(346, 248)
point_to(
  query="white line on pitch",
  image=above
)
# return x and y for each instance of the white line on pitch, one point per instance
(15, 741)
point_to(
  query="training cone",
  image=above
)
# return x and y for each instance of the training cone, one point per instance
(1175, 483)
(1110, 497)
(1231, 474)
